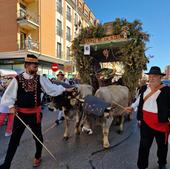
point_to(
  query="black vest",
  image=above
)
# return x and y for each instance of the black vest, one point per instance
(29, 92)
(163, 103)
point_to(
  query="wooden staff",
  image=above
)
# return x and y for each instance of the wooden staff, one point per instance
(35, 136)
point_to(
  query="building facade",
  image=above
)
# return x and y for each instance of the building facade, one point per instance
(45, 28)
(167, 72)
(71, 15)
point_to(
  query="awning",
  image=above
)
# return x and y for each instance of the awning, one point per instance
(9, 73)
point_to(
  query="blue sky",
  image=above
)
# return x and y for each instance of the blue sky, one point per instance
(155, 16)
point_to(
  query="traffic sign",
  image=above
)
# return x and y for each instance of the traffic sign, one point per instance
(54, 67)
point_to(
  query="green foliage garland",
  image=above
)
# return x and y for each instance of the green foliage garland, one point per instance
(131, 55)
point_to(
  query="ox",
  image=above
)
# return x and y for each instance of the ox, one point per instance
(71, 105)
(117, 97)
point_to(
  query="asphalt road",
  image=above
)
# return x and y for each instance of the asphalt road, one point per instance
(79, 152)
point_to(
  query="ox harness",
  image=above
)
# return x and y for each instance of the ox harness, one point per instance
(63, 100)
(63, 84)
(94, 106)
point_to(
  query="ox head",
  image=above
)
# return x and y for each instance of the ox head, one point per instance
(67, 100)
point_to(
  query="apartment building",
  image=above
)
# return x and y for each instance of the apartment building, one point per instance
(167, 72)
(71, 15)
(43, 27)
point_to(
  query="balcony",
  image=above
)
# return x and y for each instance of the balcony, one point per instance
(28, 45)
(27, 21)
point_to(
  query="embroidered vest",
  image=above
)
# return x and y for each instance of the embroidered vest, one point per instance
(29, 92)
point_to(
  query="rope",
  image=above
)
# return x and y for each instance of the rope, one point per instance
(51, 127)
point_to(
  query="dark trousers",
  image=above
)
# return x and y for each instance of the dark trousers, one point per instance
(147, 135)
(18, 129)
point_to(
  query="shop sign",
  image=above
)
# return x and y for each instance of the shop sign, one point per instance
(100, 40)
(68, 68)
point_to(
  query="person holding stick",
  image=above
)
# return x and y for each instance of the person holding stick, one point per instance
(153, 117)
(23, 96)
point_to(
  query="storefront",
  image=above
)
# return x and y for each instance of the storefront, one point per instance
(17, 64)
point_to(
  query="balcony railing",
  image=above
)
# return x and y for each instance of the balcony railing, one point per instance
(28, 44)
(24, 16)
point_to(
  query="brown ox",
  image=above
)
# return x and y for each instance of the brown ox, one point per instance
(117, 96)
(71, 106)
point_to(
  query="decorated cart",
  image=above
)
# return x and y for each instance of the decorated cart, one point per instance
(118, 42)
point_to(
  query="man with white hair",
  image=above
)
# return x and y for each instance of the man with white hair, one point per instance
(153, 115)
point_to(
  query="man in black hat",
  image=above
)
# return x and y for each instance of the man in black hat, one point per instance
(23, 95)
(153, 114)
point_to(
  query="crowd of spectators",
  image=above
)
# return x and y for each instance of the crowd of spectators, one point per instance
(7, 119)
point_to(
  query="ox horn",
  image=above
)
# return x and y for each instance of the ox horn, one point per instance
(81, 100)
(108, 108)
(69, 97)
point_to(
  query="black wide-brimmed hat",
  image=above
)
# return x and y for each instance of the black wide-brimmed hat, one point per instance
(155, 70)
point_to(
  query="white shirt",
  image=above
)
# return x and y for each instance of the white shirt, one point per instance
(10, 96)
(150, 104)
(135, 104)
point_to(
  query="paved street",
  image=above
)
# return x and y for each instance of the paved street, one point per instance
(80, 152)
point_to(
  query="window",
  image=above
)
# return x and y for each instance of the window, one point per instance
(58, 50)
(75, 19)
(59, 6)
(22, 44)
(86, 13)
(22, 11)
(68, 53)
(80, 6)
(59, 28)
(75, 2)
(68, 13)
(68, 34)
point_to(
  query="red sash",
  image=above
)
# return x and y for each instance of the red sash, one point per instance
(151, 119)
(34, 110)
